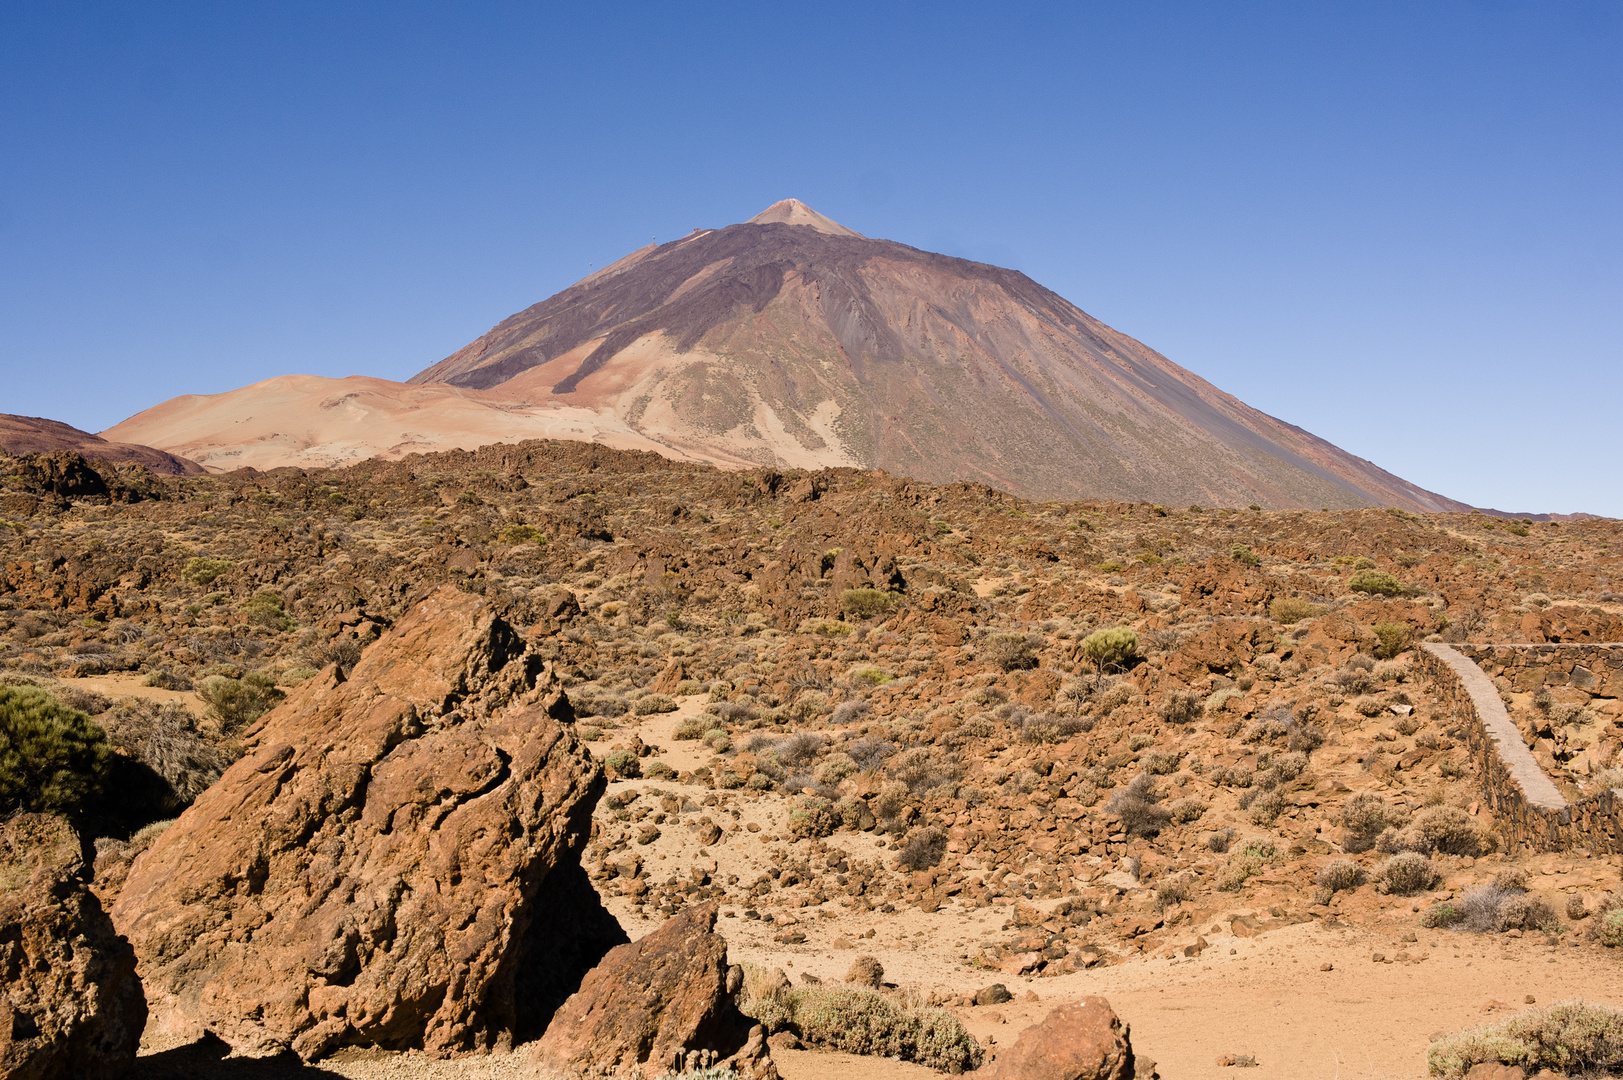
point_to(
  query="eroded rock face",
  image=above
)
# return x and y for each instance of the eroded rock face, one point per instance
(70, 1004)
(662, 1002)
(374, 868)
(1085, 1041)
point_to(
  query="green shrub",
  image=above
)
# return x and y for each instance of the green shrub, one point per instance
(1609, 928)
(236, 703)
(1112, 649)
(1442, 916)
(267, 609)
(623, 764)
(859, 1021)
(1393, 638)
(693, 727)
(1377, 582)
(522, 534)
(865, 603)
(53, 759)
(1242, 554)
(1569, 1037)
(1292, 609)
(653, 703)
(203, 571)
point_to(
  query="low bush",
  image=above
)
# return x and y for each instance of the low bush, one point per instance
(849, 712)
(861, 1021)
(1442, 916)
(1246, 863)
(1292, 609)
(923, 850)
(1136, 806)
(1446, 829)
(693, 727)
(203, 570)
(1244, 555)
(53, 759)
(623, 764)
(267, 609)
(1392, 638)
(236, 703)
(518, 533)
(1266, 808)
(1339, 875)
(164, 738)
(1365, 817)
(1569, 1037)
(812, 816)
(1174, 890)
(1377, 583)
(865, 603)
(1406, 874)
(1181, 707)
(1012, 652)
(866, 971)
(650, 704)
(1110, 650)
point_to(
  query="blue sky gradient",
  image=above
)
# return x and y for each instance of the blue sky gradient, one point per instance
(1397, 225)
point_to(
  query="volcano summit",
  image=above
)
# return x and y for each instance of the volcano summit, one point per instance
(792, 340)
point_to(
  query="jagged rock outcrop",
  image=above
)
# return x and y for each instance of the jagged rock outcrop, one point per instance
(379, 865)
(663, 1002)
(1085, 1041)
(70, 1004)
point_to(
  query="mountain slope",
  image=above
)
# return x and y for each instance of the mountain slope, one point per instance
(37, 435)
(791, 337)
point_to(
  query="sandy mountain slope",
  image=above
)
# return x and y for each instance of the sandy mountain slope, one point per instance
(791, 340)
(37, 435)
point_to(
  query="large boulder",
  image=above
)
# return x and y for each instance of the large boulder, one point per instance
(1085, 1041)
(70, 1004)
(386, 860)
(661, 1004)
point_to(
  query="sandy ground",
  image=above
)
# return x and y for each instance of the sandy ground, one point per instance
(1307, 1000)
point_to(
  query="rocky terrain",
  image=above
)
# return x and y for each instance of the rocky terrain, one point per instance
(791, 341)
(995, 755)
(37, 435)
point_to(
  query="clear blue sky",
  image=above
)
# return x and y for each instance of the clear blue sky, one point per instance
(1398, 225)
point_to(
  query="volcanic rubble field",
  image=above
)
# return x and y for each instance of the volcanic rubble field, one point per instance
(858, 711)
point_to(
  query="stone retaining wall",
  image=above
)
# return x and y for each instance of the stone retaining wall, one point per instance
(1595, 669)
(1532, 813)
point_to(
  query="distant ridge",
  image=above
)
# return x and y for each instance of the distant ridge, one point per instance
(37, 435)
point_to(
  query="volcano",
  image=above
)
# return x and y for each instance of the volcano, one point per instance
(791, 340)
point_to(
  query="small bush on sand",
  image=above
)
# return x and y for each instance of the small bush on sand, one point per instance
(866, 971)
(1365, 816)
(1569, 1037)
(813, 816)
(53, 759)
(654, 703)
(1406, 874)
(862, 1021)
(236, 703)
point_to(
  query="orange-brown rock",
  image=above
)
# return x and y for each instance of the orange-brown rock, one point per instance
(1085, 1041)
(386, 858)
(663, 1002)
(70, 1004)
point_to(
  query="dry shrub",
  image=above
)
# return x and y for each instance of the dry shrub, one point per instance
(654, 703)
(1292, 609)
(1446, 829)
(1365, 817)
(1407, 873)
(1246, 863)
(1012, 652)
(1174, 890)
(164, 738)
(813, 816)
(923, 850)
(1183, 811)
(1136, 806)
(1339, 875)
(860, 1021)
(1266, 808)
(1569, 1037)
(1181, 707)
(866, 971)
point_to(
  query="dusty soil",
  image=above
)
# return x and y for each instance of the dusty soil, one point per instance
(799, 682)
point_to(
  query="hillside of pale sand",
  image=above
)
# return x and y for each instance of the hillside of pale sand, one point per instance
(309, 421)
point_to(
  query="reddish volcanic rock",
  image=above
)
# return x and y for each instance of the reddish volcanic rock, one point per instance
(386, 858)
(70, 1004)
(1086, 1041)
